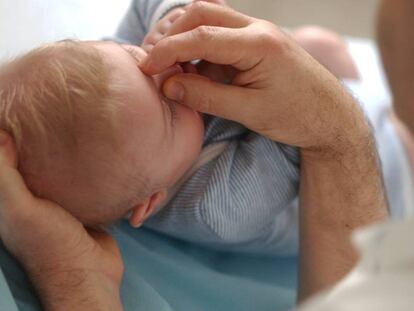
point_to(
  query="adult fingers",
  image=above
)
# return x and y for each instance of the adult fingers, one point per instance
(204, 95)
(223, 46)
(203, 13)
(12, 187)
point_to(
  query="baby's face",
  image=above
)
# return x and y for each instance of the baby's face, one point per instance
(160, 139)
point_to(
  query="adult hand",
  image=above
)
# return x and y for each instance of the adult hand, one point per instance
(278, 90)
(71, 268)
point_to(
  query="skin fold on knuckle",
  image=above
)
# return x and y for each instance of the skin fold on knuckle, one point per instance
(269, 39)
(204, 36)
(205, 33)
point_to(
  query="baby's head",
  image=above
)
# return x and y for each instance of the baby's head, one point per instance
(93, 133)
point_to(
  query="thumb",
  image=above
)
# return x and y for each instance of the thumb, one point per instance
(7, 151)
(12, 186)
(202, 94)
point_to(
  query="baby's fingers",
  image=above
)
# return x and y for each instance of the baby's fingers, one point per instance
(161, 28)
(174, 15)
(165, 23)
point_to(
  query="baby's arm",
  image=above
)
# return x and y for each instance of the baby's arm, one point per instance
(142, 16)
(221, 74)
(158, 31)
(165, 20)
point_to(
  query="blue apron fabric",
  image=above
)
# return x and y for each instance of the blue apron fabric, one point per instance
(165, 274)
(6, 299)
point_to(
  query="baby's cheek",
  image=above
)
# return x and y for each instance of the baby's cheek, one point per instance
(193, 127)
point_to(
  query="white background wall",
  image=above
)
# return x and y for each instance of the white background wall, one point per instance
(351, 17)
(27, 23)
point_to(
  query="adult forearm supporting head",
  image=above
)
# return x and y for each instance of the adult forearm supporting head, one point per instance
(77, 290)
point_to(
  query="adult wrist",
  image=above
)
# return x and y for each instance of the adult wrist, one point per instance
(77, 290)
(350, 166)
(348, 133)
(341, 189)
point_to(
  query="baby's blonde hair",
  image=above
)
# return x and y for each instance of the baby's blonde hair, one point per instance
(50, 93)
(54, 101)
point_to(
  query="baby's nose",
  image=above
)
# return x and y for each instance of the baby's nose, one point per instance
(159, 79)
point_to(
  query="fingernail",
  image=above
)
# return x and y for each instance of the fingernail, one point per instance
(175, 91)
(3, 138)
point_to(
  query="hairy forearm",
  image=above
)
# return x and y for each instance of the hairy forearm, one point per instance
(395, 33)
(76, 290)
(339, 192)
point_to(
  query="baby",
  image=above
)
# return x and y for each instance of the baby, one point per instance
(93, 133)
(97, 136)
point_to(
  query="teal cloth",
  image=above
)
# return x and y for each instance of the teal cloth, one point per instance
(6, 298)
(165, 274)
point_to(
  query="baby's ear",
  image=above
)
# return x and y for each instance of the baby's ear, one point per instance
(143, 210)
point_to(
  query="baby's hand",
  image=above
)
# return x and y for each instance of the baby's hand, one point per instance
(161, 28)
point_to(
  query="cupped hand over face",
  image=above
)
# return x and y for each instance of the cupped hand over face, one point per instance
(45, 238)
(277, 89)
